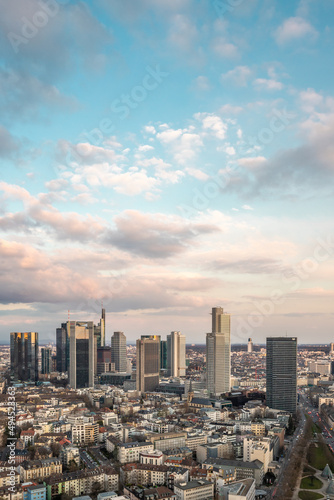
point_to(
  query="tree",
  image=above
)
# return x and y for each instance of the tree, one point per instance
(55, 448)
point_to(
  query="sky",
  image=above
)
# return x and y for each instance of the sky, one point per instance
(164, 157)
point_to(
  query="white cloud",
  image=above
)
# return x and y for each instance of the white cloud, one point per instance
(197, 173)
(230, 150)
(225, 49)
(229, 109)
(145, 147)
(253, 162)
(202, 83)
(310, 99)
(267, 84)
(239, 76)
(294, 28)
(247, 207)
(213, 123)
(150, 129)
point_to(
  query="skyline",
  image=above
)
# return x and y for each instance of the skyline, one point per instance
(165, 158)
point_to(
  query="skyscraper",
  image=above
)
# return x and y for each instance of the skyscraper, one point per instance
(100, 330)
(63, 348)
(163, 355)
(176, 345)
(282, 373)
(83, 353)
(250, 345)
(118, 351)
(24, 356)
(46, 360)
(218, 353)
(147, 363)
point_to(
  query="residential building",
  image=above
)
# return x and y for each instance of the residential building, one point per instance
(240, 490)
(39, 469)
(24, 356)
(281, 374)
(130, 452)
(218, 353)
(85, 433)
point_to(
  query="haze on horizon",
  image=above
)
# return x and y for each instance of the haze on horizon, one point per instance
(165, 157)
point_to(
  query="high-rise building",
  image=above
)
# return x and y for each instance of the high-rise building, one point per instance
(83, 353)
(250, 345)
(163, 355)
(218, 353)
(331, 348)
(63, 348)
(176, 344)
(46, 360)
(118, 351)
(282, 373)
(104, 364)
(24, 356)
(147, 363)
(100, 330)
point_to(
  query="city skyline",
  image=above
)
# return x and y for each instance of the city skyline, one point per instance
(165, 156)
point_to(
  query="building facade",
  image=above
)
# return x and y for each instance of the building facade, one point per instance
(281, 375)
(118, 352)
(218, 353)
(24, 356)
(176, 354)
(148, 363)
(82, 353)
(46, 360)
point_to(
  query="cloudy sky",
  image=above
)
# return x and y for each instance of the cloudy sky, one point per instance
(165, 157)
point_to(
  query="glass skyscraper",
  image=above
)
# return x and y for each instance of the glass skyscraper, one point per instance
(282, 373)
(24, 356)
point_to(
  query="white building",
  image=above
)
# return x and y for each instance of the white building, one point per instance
(194, 490)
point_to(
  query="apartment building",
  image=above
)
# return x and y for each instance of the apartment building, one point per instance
(85, 433)
(194, 490)
(39, 469)
(130, 452)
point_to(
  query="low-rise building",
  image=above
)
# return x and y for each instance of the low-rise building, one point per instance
(130, 452)
(194, 490)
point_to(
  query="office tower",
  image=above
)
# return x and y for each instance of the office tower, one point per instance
(176, 344)
(46, 360)
(163, 355)
(118, 351)
(63, 348)
(332, 348)
(83, 353)
(148, 363)
(24, 356)
(104, 360)
(250, 345)
(218, 353)
(282, 373)
(100, 330)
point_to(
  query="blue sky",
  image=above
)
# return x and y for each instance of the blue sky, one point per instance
(165, 157)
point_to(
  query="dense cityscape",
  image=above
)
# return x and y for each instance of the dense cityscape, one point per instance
(163, 419)
(166, 250)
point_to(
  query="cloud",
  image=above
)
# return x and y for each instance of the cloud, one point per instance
(267, 84)
(9, 146)
(238, 76)
(293, 29)
(154, 235)
(229, 109)
(212, 123)
(225, 49)
(252, 162)
(202, 83)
